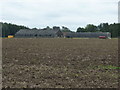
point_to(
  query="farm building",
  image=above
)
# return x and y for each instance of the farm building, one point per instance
(26, 33)
(55, 32)
(87, 34)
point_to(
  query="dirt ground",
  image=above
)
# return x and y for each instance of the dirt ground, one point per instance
(59, 63)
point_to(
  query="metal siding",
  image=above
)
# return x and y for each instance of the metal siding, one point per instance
(88, 34)
(36, 33)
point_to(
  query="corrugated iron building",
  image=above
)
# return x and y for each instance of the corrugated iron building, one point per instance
(87, 34)
(55, 32)
(26, 33)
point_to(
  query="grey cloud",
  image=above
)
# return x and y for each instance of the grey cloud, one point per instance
(72, 13)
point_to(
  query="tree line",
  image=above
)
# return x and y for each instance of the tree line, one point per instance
(114, 29)
(10, 29)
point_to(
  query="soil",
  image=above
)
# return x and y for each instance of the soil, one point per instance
(59, 63)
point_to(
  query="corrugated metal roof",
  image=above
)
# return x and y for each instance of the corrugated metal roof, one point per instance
(38, 32)
(26, 31)
(47, 32)
(88, 34)
(54, 33)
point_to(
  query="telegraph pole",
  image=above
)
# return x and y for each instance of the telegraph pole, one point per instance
(118, 46)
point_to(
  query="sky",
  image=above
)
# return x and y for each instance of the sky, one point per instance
(69, 13)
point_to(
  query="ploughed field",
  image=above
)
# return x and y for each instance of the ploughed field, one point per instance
(59, 63)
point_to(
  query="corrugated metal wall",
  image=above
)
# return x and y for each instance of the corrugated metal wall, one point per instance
(89, 34)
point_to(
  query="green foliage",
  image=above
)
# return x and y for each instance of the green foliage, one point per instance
(104, 27)
(114, 29)
(48, 28)
(10, 29)
(81, 30)
(34, 28)
(65, 29)
(91, 28)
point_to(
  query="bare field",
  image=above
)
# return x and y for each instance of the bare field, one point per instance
(59, 63)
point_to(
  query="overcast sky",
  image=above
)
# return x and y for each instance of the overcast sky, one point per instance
(70, 13)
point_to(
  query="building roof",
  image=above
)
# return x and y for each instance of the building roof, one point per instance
(41, 32)
(26, 32)
(86, 34)
(47, 32)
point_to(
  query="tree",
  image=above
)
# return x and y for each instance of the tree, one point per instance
(91, 28)
(114, 29)
(10, 29)
(81, 29)
(104, 27)
(48, 28)
(34, 28)
(65, 29)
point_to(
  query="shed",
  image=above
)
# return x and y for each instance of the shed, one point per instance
(49, 33)
(55, 32)
(87, 34)
(26, 33)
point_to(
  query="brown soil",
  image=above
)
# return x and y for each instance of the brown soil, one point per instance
(59, 63)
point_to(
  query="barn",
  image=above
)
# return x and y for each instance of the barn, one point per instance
(87, 34)
(26, 33)
(55, 32)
